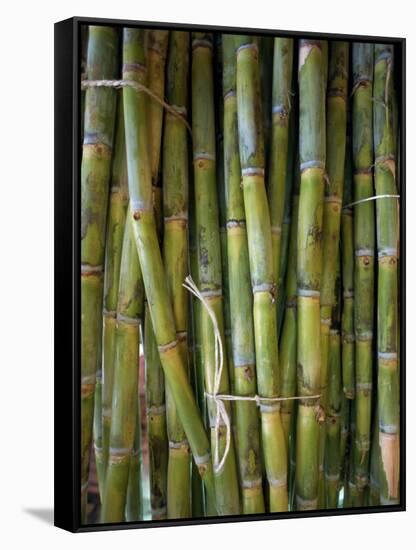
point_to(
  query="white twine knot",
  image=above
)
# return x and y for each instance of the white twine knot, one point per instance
(219, 399)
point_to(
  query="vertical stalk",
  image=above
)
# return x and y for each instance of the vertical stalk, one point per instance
(208, 248)
(387, 215)
(362, 145)
(134, 503)
(312, 167)
(125, 382)
(154, 277)
(287, 210)
(115, 231)
(374, 497)
(278, 159)
(175, 251)
(347, 252)
(336, 133)
(156, 422)
(334, 401)
(266, 46)
(197, 370)
(288, 359)
(262, 273)
(100, 108)
(156, 50)
(241, 299)
(343, 444)
(221, 192)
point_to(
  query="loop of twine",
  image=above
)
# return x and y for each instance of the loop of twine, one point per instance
(117, 84)
(218, 398)
(375, 197)
(219, 364)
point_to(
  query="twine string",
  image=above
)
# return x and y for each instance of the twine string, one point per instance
(373, 198)
(221, 411)
(117, 84)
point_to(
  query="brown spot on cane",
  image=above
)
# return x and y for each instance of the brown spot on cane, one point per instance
(248, 373)
(319, 414)
(136, 215)
(366, 260)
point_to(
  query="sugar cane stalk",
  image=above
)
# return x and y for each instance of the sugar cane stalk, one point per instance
(262, 272)
(140, 190)
(241, 299)
(134, 502)
(208, 247)
(288, 341)
(362, 144)
(125, 382)
(100, 109)
(387, 214)
(175, 251)
(115, 231)
(347, 252)
(309, 265)
(281, 106)
(156, 50)
(334, 401)
(336, 127)
(156, 422)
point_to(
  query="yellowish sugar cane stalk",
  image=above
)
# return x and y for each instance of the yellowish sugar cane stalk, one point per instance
(263, 281)
(241, 299)
(387, 214)
(312, 151)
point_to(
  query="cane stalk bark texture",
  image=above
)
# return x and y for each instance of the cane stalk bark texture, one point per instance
(291, 172)
(241, 299)
(100, 110)
(156, 50)
(175, 251)
(125, 382)
(115, 230)
(387, 215)
(334, 400)
(209, 255)
(156, 422)
(134, 502)
(288, 342)
(312, 150)
(154, 277)
(347, 252)
(278, 162)
(364, 243)
(251, 148)
(336, 129)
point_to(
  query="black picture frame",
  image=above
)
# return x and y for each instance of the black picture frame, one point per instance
(67, 268)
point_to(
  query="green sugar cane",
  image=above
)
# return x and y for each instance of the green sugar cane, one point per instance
(251, 148)
(154, 277)
(99, 118)
(309, 244)
(387, 215)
